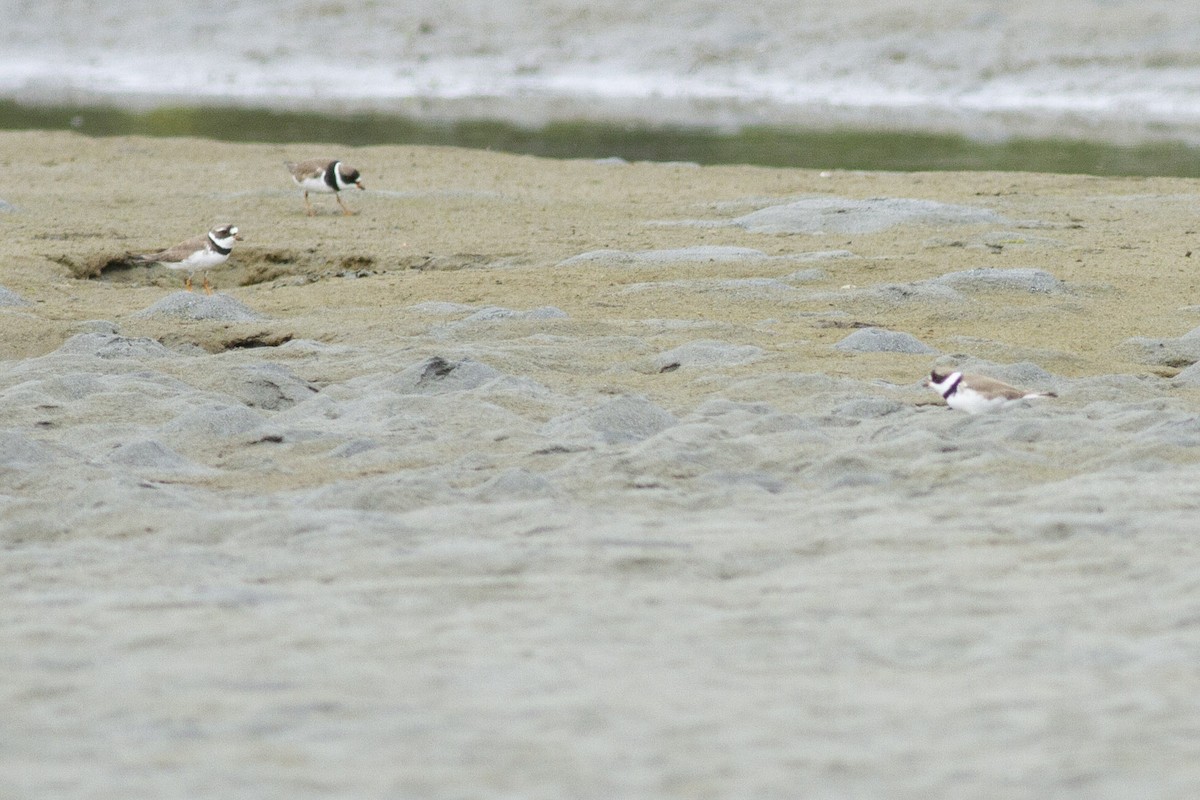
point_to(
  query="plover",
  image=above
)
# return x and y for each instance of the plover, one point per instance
(318, 175)
(198, 254)
(976, 394)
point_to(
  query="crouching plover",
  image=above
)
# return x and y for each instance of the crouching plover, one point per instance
(318, 175)
(976, 394)
(198, 254)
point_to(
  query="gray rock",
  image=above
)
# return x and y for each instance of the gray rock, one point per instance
(629, 419)
(845, 470)
(1012, 280)
(622, 420)
(1181, 352)
(806, 276)
(684, 255)
(17, 450)
(399, 492)
(214, 422)
(765, 481)
(441, 308)
(731, 288)
(544, 312)
(1190, 375)
(151, 454)
(311, 346)
(1025, 374)
(191, 305)
(824, 255)
(437, 375)
(754, 287)
(108, 345)
(72, 386)
(705, 354)
(1179, 432)
(895, 294)
(905, 293)
(842, 215)
(11, 298)
(492, 313)
(268, 386)
(878, 340)
(353, 448)
(515, 484)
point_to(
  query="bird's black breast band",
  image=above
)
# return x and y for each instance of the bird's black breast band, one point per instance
(331, 175)
(215, 246)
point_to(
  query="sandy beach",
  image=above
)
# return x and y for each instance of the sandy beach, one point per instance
(550, 479)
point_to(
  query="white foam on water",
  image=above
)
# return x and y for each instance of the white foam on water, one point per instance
(1110, 69)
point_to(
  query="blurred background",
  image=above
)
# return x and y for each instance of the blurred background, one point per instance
(1090, 86)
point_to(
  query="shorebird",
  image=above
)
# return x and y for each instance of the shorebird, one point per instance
(198, 254)
(976, 394)
(319, 175)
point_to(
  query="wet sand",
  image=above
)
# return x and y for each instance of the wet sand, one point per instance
(566, 478)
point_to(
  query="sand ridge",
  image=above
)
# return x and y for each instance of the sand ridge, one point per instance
(489, 229)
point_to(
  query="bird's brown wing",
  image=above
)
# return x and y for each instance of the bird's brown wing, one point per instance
(179, 252)
(994, 387)
(307, 169)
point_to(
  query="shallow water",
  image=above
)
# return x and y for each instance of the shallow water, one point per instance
(763, 146)
(1116, 71)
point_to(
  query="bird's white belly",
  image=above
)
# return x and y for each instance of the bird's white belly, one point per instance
(315, 185)
(202, 260)
(973, 402)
